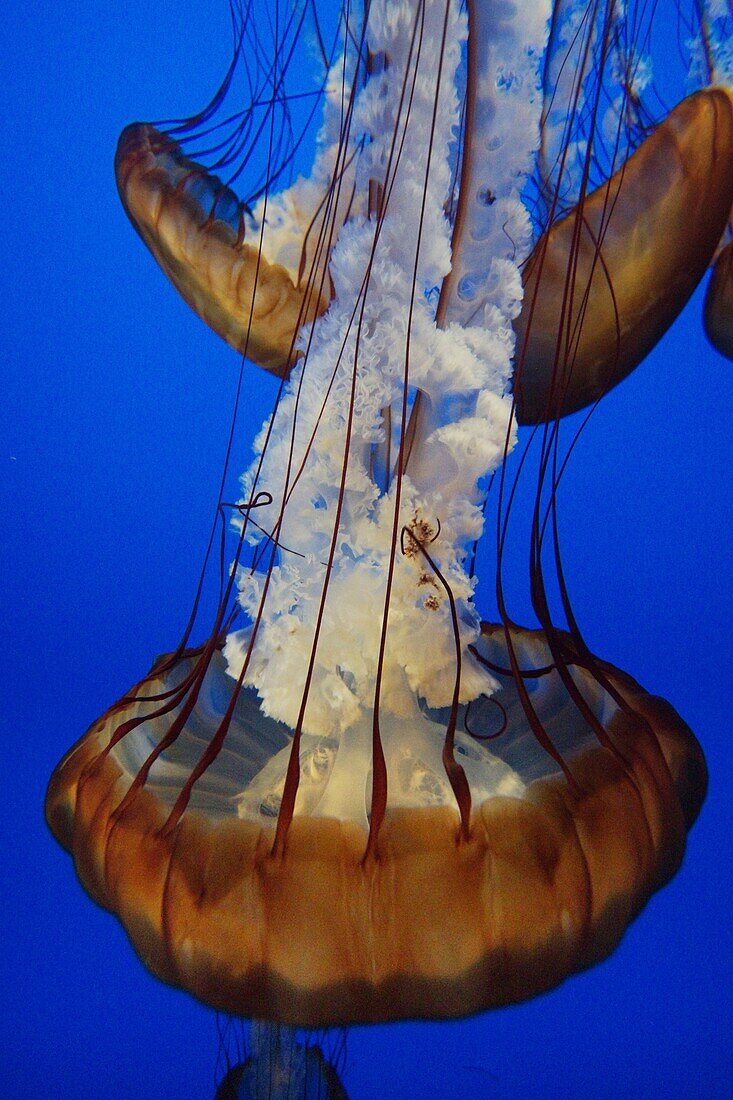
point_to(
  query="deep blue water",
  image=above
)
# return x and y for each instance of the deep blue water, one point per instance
(114, 409)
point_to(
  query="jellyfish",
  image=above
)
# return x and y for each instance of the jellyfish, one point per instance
(357, 799)
(714, 58)
(281, 1067)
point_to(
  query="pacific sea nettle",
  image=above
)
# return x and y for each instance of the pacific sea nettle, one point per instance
(356, 800)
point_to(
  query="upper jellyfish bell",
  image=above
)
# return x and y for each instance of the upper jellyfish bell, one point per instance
(607, 281)
(718, 309)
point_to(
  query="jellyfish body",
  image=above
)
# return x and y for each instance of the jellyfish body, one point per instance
(430, 927)
(627, 261)
(356, 801)
(718, 313)
(281, 1067)
(195, 227)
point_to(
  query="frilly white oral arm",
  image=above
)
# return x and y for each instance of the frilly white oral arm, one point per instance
(379, 330)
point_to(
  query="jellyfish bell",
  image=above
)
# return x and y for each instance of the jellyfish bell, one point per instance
(355, 800)
(195, 227)
(257, 275)
(434, 924)
(718, 309)
(281, 1066)
(627, 262)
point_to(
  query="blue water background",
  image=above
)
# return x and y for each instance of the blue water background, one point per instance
(114, 406)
